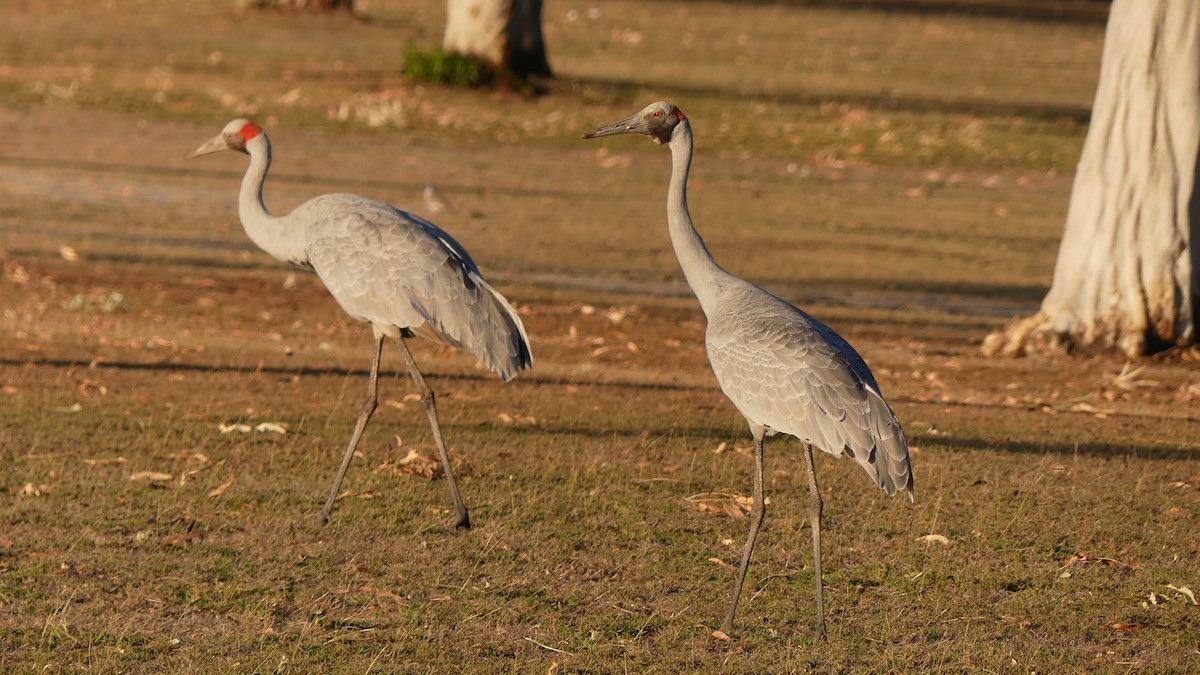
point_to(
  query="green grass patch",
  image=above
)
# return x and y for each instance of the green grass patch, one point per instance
(440, 67)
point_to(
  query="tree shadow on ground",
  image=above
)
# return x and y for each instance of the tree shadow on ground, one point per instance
(630, 91)
(1069, 449)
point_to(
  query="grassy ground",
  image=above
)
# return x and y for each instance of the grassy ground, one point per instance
(905, 178)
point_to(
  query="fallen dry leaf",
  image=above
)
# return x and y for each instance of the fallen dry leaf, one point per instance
(414, 464)
(516, 419)
(1078, 558)
(721, 635)
(387, 594)
(934, 539)
(186, 539)
(31, 490)
(735, 506)
(16, 274)
(220, 489)
(1184, 591)
(1130, 627)
(151, 476)
(264, 427)
(102, 462)
(88, 387)
(188, 456)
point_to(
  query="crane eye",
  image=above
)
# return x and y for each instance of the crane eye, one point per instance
(658, 113)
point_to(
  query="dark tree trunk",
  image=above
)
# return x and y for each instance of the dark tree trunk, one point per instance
(526, 48)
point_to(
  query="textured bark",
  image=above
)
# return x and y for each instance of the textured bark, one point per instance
(1127, 270)
(505, 35)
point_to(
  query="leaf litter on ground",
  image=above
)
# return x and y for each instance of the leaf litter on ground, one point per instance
(723, 503)
(243, 428)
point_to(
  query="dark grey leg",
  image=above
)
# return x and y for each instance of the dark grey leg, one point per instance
(427, 398)
(757, 511)
(364, 416)
(814, 518)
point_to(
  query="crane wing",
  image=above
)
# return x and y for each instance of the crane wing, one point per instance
(790, 373)
(402, 273)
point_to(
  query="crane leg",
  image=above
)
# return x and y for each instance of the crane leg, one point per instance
(815, 507)
(427, 398)
(757, 511)
(364, 416)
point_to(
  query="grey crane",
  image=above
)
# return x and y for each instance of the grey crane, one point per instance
(396, 271)
(785, 371)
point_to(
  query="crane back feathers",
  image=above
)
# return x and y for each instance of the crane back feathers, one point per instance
(403, 274)
(787, 372)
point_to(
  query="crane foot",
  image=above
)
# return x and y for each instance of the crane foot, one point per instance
(463, 522)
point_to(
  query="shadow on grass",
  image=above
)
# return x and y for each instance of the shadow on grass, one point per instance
(986, 300)
(1150, 452)
(630, 91)
(134, 366)
(1153, 452)
(1073, 11)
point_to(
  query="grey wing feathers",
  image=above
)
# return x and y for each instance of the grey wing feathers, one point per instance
(789, 373)
(402, 273)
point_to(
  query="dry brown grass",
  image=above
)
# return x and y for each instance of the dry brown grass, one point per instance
(138, 537)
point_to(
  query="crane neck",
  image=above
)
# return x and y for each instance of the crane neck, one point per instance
(277, 236)
(706, 278)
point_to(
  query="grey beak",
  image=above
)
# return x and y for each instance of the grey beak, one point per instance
(214, 144)
(630, 125)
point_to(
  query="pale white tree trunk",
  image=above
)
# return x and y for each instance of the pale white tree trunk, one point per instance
(505, 35)
(1126, 275)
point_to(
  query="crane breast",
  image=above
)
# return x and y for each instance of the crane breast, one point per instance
(783, 371)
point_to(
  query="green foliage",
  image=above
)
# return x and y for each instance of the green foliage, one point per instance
(442, 67)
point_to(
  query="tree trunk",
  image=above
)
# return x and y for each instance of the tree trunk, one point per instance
(504, 35)
(1127, 270)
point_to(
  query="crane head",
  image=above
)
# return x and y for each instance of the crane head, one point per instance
(657, 120)
(234, 136)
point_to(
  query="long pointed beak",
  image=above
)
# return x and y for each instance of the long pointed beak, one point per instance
(214, 144)
(630, 125)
